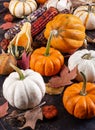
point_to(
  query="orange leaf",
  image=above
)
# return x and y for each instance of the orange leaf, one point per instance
(3, 109)
(7, 25)
(64, 79)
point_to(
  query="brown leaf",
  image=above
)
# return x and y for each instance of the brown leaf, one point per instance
(3, 109)
(32, 117)
(7, 25)
(64, 78)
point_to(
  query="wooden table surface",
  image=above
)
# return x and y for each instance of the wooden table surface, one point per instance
(64, 121)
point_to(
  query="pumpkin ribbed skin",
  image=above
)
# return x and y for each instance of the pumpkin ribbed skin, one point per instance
(78, 105)
(26, 93)
(87, 16)
(69, 32)
(84, 60)
(20, 8)
(46, 65)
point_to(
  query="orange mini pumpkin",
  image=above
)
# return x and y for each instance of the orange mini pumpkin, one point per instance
(47, 61)
(41, 1)
(79, 99)
(68, 32)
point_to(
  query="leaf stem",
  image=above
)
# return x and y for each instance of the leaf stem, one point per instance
(22, 114)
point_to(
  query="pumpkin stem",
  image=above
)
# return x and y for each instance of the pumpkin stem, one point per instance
(83, 91)
(21, 76)
(89, 8)
(48, 44)
(85, 43)
(87, 56)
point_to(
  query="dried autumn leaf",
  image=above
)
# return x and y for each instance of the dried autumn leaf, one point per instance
(14, 120)
(64, 79)
(23, 63)
(7, 25)
(53, 91)
(3, 109)
(22, 119)
(4, 44)
(32, 117)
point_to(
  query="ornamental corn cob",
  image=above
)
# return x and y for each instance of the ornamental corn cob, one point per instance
(37, 24)
(32, 17)
(40, 23)
(39, 40)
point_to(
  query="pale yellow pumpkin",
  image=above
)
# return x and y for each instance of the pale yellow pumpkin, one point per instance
(21, 8)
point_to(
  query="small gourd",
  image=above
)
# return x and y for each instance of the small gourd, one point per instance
(5, 60)
(79, 99)
(84, 60)
(87, 15)
(21, 8)
(22, 41)
(46, 60)
(23, 89)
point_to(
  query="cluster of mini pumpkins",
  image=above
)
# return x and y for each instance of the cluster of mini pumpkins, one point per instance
(64, 34)
(21, 8)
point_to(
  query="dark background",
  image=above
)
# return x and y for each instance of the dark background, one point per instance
(64, 121)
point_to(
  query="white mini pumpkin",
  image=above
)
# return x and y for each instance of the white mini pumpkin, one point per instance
(59, 4)
(87, 16)
(21, 8)
(84, 60)
(24, 90)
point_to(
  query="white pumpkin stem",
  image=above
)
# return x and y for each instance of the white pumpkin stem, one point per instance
(83, 91)
(89, 8)
(21, 76)
(48, 44)
(86, 56)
